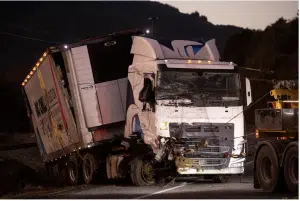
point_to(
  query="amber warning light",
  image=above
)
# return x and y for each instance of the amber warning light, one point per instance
(34, 69)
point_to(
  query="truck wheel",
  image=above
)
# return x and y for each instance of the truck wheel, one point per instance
(290, 169)
(88, 168)
(255, 182)
(142, 173)
(62, 173)
(221, 178)
(55, 174)
(72, 168)
(267, 169)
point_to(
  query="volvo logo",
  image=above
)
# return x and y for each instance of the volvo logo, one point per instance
(110, 43)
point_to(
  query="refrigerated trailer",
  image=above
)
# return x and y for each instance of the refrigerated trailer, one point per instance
(127, 104)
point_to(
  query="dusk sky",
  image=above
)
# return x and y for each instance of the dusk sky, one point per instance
(246, 14)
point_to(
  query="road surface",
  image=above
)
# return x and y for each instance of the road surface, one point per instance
(184, 188)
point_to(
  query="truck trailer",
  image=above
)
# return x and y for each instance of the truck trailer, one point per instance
(277, 155)
(127, 105)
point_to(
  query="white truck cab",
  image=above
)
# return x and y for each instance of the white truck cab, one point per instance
(182, 91)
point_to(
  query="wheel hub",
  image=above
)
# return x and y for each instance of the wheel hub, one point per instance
(267, 169)
(147, 172)
(294, 169)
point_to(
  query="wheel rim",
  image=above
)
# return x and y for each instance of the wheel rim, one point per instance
(72, 171)
(87, 168)
(147, 172)
(266, 169)
(294, 169)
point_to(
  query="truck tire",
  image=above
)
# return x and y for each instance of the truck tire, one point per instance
(73, 170)
(55, 173)
(88, 168)
(221, 178)
(267, 169)
(255, 182)
(142, 172)
(62, 172)
(290, 169)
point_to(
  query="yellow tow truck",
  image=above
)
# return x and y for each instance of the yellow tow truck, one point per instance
(276, 156)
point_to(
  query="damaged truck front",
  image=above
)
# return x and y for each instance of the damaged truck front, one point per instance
(188, 106)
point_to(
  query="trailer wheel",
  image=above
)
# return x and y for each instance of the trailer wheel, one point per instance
(221, 178)
(62, 172)
(290, 169)
(72, 168)
(142, 173)
(88, 168)
(267, 169)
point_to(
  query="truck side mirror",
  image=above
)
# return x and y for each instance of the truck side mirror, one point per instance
(248, 92)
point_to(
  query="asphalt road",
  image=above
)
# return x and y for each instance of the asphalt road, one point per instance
(184, 188)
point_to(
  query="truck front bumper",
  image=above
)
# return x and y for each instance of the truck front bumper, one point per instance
(236, 166)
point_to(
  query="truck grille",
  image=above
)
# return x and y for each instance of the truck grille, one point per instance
(214, 149)
(210, 161)
(207, 144)
(209, 152)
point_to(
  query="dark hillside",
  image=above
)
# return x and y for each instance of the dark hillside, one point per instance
(65, 22)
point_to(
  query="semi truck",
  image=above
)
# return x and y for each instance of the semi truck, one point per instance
(276, 157)
(131, 106)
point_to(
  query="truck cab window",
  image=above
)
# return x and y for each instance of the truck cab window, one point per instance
(147, 93)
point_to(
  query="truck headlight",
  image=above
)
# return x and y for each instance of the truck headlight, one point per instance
(164, 126)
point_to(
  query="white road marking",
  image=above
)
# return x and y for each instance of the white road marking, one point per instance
(159, 192)
(58, 192)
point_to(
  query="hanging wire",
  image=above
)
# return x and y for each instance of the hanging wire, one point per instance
(29, 38)
(249, 106)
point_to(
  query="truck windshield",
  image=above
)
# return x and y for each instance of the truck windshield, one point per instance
(201, 89)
